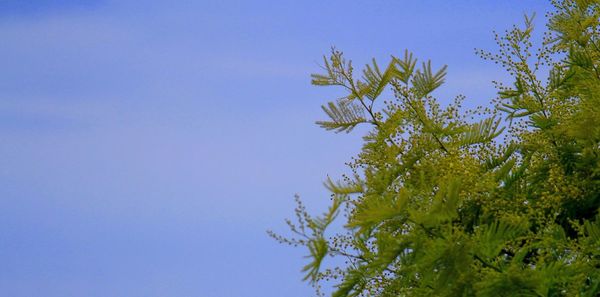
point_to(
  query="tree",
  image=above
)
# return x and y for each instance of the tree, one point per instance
(439, 204)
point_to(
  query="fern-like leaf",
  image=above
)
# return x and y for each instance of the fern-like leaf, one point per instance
(425, 81)
(405, 67)
(494, 162)
(344, 115)
(376, 209)
(337, 69)
(339, 188)
(492, 238)
(592, 230)
(353, 280)
(375, 80)
(480, 132)
(318, 249)
(445, 204)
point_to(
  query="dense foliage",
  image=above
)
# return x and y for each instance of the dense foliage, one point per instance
(499, 201)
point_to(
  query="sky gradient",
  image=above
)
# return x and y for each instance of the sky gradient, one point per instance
(146, 147)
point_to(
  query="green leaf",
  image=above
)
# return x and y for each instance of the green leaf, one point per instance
(352, 187)
(405, 67)
(376, 209)
(491, 238)
(345, 115)
(348, 287)
(375, 80)
(425, 81)
(481, 132)
(493, 162)
(318, 249)
(444, 206)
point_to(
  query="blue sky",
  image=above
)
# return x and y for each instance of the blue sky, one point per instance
(145, 147)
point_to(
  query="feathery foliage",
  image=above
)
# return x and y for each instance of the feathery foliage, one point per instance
(437, 205)
(344, 115)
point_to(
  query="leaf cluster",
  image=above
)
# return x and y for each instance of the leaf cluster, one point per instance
(437, 205)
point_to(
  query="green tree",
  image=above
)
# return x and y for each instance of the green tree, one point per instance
(439, 204)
